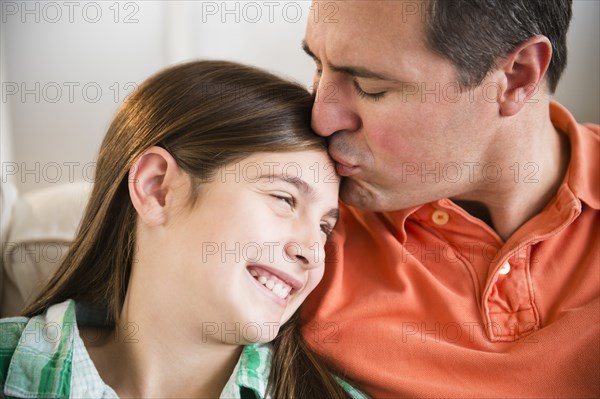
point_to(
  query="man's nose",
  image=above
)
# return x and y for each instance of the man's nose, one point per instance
(333, 110)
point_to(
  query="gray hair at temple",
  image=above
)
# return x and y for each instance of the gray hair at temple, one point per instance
(474, 34)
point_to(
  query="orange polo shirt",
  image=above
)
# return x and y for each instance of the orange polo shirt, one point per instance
(431, 302)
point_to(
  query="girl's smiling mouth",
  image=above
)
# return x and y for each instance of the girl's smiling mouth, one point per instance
(278, 285)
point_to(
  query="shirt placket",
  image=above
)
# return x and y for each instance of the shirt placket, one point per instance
(508, 308)
(508, 302)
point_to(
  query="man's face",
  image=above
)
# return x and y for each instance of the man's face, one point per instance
(401, 130)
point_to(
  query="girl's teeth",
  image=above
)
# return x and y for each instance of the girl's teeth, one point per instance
(277, 289)
(281, 290)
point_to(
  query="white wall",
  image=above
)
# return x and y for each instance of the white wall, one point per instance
(68, 65)
(51, 134)
(263, 33)
(579, 88)
(64, 77)
(6, 147)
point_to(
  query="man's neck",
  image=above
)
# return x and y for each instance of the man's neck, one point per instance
(531, 176)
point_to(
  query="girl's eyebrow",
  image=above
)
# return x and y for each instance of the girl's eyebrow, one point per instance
(297, 182)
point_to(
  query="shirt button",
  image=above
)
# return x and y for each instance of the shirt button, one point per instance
(504, 269)
(440, 217)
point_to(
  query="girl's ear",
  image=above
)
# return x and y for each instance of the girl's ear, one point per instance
(152, 179)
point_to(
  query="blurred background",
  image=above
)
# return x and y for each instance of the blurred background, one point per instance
(67, 65)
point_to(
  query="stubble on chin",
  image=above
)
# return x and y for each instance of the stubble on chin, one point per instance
(354, 194)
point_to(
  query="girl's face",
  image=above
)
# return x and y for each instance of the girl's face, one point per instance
(252, 247)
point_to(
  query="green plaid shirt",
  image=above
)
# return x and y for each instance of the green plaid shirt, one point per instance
(44, 357)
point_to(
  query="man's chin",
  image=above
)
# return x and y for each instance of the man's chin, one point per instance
(376, 199)
(355, 194)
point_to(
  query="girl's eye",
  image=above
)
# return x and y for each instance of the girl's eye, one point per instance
(364, 94)
(327, 229)
(291, 201)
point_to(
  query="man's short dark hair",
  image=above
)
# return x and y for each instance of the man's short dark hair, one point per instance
(474, 34)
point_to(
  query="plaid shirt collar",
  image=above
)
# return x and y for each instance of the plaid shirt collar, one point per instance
(50, 360)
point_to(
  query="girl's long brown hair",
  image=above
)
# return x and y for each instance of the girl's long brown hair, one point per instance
(207, 114)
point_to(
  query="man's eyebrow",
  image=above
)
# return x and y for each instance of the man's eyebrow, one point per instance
(360, 72)
(308, 51)
(353, 71)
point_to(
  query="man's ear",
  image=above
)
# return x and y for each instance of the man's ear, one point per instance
(523, 72)
(151, 180)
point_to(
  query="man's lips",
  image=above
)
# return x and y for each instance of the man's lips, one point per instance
(344, 168)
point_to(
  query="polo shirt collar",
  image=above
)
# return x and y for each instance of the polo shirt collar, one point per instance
(582, 175)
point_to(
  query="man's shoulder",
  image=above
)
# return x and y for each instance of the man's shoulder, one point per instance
(593, 128)
(590, 136)
(585, 163)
